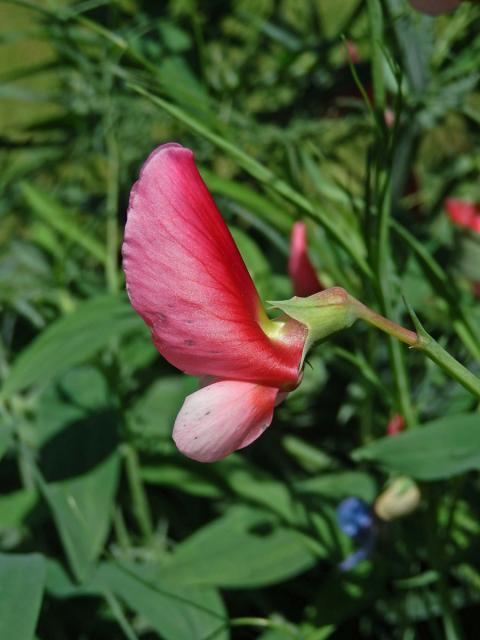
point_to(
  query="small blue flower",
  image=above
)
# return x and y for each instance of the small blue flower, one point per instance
(355, 519)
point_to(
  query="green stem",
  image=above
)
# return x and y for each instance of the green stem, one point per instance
(445, 361)
(421, 341)
(111, 205)
(140, 506)
(384, 324)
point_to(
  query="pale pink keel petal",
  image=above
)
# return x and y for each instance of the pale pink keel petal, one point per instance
(302, 274)
(186, 278)
(223, 417)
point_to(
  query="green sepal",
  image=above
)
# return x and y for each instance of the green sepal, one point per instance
(323, 313)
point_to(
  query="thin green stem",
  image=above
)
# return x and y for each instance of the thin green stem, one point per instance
(141, 510)
(447, 362)
(451, 624)
(120, 529)
(421, 341)
(384, 324)
(112, 241)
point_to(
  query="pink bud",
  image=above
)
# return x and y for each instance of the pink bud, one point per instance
(464, 213)
(302, 274)
(395, 425)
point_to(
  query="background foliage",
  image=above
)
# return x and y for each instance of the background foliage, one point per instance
(106, 531)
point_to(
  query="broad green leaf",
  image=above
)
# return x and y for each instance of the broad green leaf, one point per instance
(80, 466)
(81, 509)
(307, 456)
(339, 485)
(173, 610)
(439, 449)
(80, 405)
(241, 549)
(275, 496)
(15, 506)
(152, 417)
(22, 581)
(60, 583)
(6, 438)
(183, 477)
(71, 340)
(62, 220)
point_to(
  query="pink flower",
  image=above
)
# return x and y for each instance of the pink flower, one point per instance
(464, 213)
(302, 274)
(187, 280)
(396, 424)
(435, 7)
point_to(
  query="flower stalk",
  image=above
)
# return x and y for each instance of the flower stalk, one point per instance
(334, 309)
(422, 341)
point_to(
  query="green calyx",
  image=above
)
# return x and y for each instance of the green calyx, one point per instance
(323, 313)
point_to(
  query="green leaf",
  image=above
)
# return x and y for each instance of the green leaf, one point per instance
(253, 201)
(62, 220)
(153, 415)
(79, 463)
(71, 340)
(81, 509)
(376, 30)
(6, 438)
(22, 581)
(183, 477)
(174, 611)
(439, 449)
(244, 548)
(339, 485)
(15, 506)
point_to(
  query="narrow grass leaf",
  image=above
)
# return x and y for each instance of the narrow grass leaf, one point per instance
(62, 220)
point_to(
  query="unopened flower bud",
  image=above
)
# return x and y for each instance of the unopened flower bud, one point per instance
(400, 499)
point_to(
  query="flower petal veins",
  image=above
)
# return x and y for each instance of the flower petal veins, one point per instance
(187, 280)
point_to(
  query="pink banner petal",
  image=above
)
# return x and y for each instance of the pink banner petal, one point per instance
(187, 280)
